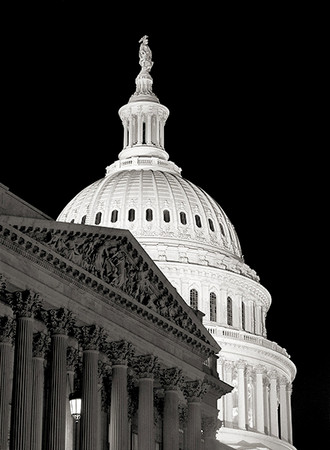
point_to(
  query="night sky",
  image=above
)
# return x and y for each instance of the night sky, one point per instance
(236, 85)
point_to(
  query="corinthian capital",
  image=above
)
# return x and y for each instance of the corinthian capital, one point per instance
(119, 352)
(7, 329)
(91, 337)
(24, 303)
(59, 321)
(172, 378)
(41, 343)
(195, 390)
(210, 425)
(146, 366)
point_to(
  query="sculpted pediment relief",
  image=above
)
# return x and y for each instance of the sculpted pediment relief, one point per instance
(116, 258)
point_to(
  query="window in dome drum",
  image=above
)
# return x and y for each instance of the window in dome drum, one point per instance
(198, 221)
(166, 215)
(211, 225)
(98, 218)
(221, 228)
(229, 311)
(114, 216)
(213, 307)
(131, 215)
(183, 218)
(194, 298)
(149, 215)
(83, 219)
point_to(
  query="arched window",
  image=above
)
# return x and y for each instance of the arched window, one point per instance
(166, 215)
(211, 225)
(213, 307)
(198, 221)
(243, 315)
(183, 218)
(114, 216)
(98, 218)
(229, 311)
(131, 215)
(83, 219)
(194, 298)
(149, 215)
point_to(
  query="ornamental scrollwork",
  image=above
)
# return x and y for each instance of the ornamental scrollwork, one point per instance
(24, 303)
(7, 329)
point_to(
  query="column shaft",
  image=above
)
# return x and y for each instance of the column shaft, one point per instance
(283, 412)
(194, 425)
(5, 371)
(37, 402)
(241, 398)
(89, 401)
(171, 420)
(146, 414)
(260, 402)
(119, 409)
(273, 408)
(57, 394)
(22, 386)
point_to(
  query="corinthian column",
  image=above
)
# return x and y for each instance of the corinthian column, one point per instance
(24, 303)
(7, 333)
(171, 380)
(194, 391)
(91, 338)
(146, 366)
(119, 352)
(59, 321)
(40, 346)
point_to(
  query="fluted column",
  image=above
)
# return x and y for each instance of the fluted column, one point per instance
(284, 409)
(171, 380)
(273, 403)
(91, 339)
(24, 303)
(260, 399)
(146, 366)
(194, 391)
(241, 394)
(41, 343)
(59, 321)
(7, 334)
(119, 353)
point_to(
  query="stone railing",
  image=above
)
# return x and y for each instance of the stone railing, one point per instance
(219, 332)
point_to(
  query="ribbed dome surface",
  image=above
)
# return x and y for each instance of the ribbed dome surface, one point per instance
(155, 204)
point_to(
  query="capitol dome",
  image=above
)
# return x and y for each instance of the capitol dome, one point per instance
(193, 242)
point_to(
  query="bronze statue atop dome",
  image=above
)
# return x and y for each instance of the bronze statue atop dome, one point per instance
(145, 55)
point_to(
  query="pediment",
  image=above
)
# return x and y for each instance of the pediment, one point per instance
(113, 263)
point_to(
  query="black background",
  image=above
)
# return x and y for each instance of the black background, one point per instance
(241, 84)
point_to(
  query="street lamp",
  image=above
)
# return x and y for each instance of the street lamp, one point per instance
(75, 405)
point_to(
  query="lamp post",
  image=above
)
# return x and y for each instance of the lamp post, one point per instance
(75, 409)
